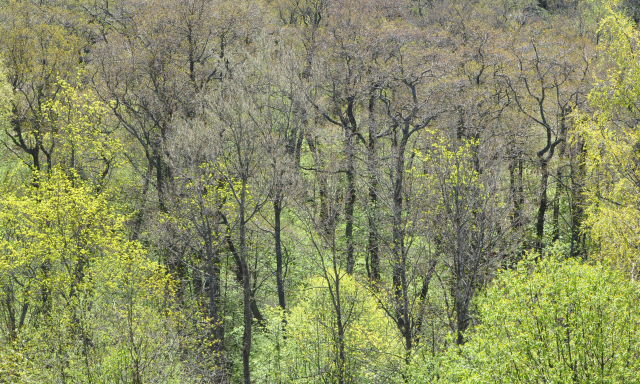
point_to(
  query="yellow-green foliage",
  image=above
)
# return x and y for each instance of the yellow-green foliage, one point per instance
(452, 166)
(39, 42)
(611, 136)
(450, 181)
(94, 303)
(6, 98)
(305, 350)
(205, 194)
(548, 322)
(6, 95)
(79, 131)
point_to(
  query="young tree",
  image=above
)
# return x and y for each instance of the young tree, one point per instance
(81, 302)
(465, 223)
(40, 45)
(552, 321)
(246, 108)
(611, 140)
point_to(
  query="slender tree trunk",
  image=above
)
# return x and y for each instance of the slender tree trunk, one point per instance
(350, 200)
(277, 210)
(461, 275)
(139, 215)
(515, 183)
(298, 150)
(213, 261)
(324, 209)
(350, 131)
(431, 267)
(462, 315)
(372, 164)
(246, 341)
(542, 208)
(520, 189)
(399, 261)
(337, 303)
(239, 269)
(11, 317)
(559, 183)
(342, 355)
(578, 174)
(556, 206)
(160, 178)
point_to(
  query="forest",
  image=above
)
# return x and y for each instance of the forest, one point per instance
(319, 191)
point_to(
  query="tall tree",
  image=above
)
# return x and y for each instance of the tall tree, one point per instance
(611, 144)
(546, 80)
(40, 45)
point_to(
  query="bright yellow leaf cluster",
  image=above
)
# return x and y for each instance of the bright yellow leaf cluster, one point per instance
(612, 144)
(84, 303)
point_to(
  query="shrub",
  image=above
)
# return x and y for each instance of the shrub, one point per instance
(552, 322)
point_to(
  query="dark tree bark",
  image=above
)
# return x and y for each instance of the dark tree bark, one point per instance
(516, 168)
(350, 130)
(402, 127)
(322, 183)
(246, 287)
(578, 174)
(398, 249)
(372, 211)
(542, 205)
(277, 209)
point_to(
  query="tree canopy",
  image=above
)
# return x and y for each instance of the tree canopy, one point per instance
(365, 191)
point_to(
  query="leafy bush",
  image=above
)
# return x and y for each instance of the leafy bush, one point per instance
(82, 303)
(551, 322)
(304, 349)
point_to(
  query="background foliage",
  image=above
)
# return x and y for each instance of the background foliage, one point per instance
(365, 191)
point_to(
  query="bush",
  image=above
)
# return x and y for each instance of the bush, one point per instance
(82, 303)
(552, 322)
(305, 349)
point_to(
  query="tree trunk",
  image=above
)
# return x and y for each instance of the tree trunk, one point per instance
(578, 174)
(277, 209)
(556, 206)
(213, 264)
(239, 268)
(542, 208)
(350, 201)
(517, 195)
(372, 165)
(559, 183)
(324, 209)
(399, 262)
(431, 267)
(342, 356)
(246, 341)
(350, 131)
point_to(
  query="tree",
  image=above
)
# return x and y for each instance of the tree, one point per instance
(552, 321)
(546, 79)
(195, 229)
(243, 107)
(465, 222)
(344, 298)
(81, 302)
(610, 136)
(41, 44)
(306, 352)
(150, 68)
(411, 82)
(82, 140)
